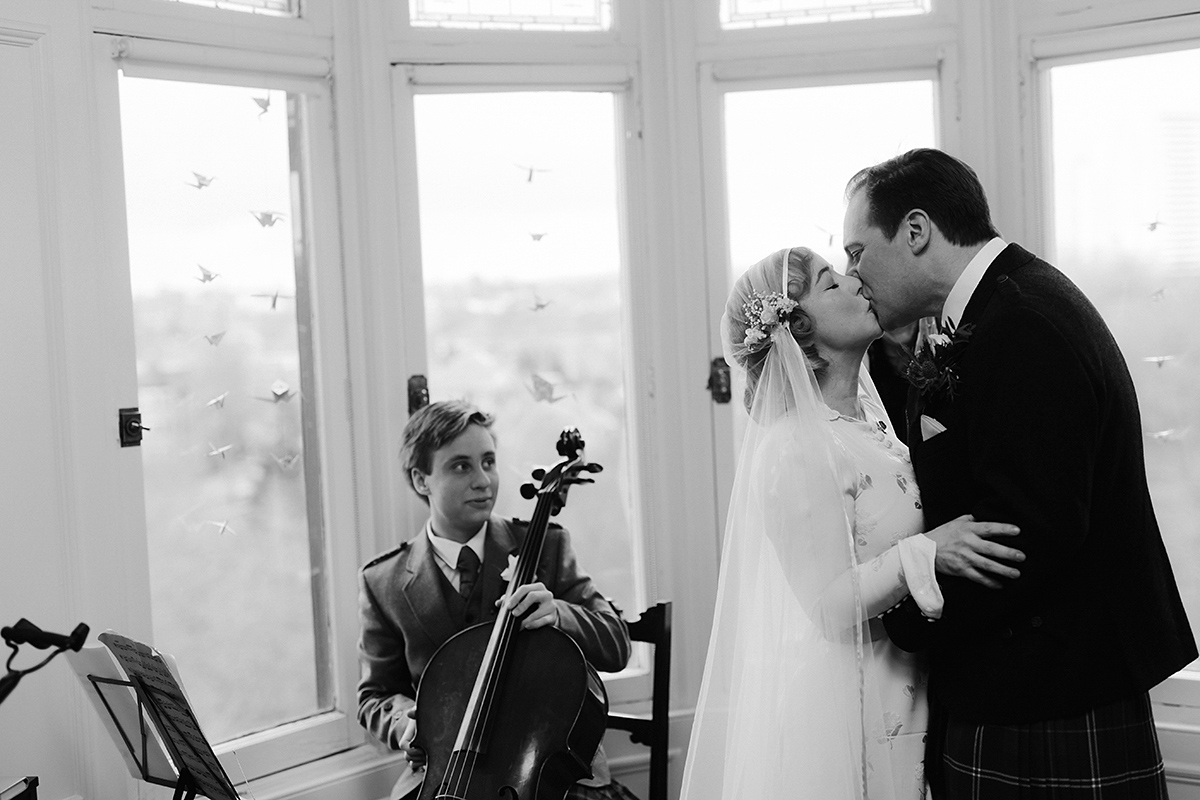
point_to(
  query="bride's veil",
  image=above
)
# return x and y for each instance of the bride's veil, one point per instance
(781, 704)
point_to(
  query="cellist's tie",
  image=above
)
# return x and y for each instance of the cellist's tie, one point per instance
(468, 569)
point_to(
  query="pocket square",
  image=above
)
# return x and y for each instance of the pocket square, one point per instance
(930, 427)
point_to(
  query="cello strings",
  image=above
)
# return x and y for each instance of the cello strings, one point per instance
(462, 762)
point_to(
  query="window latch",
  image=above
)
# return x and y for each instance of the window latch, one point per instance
(418, 393)
(129, 426)
(719, 382)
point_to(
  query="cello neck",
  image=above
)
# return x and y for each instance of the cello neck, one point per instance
(472, 733)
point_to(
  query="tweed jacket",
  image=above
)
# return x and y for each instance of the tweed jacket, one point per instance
(1043, 432)
(405, 615)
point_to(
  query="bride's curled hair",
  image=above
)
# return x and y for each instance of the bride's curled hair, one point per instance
(764, 278)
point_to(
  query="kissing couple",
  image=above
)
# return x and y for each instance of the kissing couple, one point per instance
(979, 614)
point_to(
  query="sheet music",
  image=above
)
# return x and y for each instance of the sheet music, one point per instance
(97, 661)
(180, 726)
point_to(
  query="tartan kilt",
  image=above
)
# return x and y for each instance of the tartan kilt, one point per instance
(1109, 753)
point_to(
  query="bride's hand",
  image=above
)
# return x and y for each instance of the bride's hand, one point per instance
(964, 549)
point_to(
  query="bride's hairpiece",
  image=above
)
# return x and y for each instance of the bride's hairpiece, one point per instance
(765, 310)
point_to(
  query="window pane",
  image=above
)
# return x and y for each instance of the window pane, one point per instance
(786, 180)
(513, 15)
(790, 152)
(217, 266)
(773, 13)
(271, 8)
(1126, 145)
(524, 317)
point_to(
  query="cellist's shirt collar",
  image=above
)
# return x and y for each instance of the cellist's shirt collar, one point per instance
(446, 550)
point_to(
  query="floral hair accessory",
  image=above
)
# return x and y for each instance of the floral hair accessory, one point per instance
(763, 312)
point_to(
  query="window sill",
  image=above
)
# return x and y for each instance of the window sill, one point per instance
(367, 772)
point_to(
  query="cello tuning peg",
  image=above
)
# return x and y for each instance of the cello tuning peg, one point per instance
(593, 467)
(538, 474)
(528, 491)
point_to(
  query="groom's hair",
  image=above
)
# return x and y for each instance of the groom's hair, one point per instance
(938, 183)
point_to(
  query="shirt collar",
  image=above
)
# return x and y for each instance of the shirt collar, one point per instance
(964, 287)
(448, 549)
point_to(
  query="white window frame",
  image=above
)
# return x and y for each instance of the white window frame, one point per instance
(184, 22)
(633, 685)
(847, 35)
(295, 743)
(935, 62)
(416, 41)
(1176, 700)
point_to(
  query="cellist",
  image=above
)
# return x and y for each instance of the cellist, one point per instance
(453, 574)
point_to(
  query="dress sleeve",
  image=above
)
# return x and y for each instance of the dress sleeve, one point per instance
(900, 571)
(903, 570)
(868, 588)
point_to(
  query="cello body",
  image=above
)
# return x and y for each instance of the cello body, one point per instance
(531, 749)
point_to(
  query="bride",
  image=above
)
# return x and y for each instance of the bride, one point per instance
(803, 695)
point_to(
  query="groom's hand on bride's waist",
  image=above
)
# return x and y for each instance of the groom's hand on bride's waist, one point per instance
(965, 549)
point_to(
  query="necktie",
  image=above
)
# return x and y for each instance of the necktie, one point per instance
(468, 568)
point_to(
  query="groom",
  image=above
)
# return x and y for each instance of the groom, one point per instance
(1028, 415)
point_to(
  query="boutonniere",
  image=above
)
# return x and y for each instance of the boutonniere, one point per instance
(932, 369)
(507, 574)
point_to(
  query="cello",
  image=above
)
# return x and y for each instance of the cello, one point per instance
(509, 713)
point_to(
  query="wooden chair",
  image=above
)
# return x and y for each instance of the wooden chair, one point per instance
(654, 626)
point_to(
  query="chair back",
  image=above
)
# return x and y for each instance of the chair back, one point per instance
(653, 627)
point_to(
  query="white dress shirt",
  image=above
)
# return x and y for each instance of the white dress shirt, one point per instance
(446, 551)
(964, 287)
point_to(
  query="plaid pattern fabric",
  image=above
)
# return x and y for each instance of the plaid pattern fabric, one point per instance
(613, 791)
(1109, 753)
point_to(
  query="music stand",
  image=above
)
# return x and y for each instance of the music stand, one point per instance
(161, 701)
(143, 732)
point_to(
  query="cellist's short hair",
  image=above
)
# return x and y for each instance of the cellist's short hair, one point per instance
(433, 427)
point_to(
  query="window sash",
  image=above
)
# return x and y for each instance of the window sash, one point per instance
(1177, 699)
(326, 372)
(633, 684)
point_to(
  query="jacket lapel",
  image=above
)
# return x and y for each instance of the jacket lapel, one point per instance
(1010, 259)
(423, 591)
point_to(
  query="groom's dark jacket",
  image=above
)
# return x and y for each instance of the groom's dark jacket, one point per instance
(1044, 432)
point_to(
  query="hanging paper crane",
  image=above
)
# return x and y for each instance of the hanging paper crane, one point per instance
(215, 339)
(280, 393)
(201, 181)
(218, 401)
(267, 218)
(264, 103)
(222, 527)
(207, 275)
(530, 171)
(286, 462)
(543, 390)
(218, 451)
(274, 297)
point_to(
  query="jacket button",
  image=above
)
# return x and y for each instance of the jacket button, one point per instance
(1036, 622)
